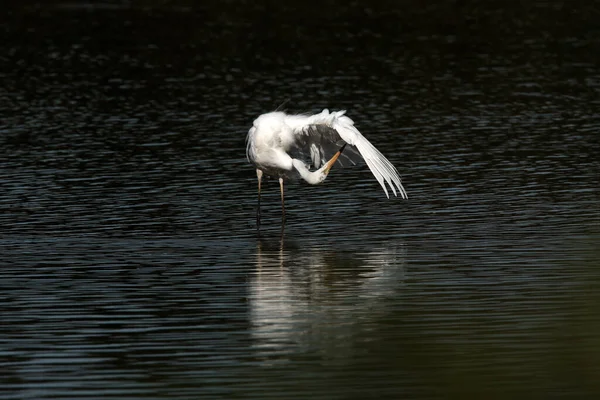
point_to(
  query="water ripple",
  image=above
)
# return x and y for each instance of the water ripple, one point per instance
(131, 265)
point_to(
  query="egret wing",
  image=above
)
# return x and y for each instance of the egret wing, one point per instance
(321, 135)
(319, 143)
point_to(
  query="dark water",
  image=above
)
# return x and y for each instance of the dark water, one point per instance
(130, 264)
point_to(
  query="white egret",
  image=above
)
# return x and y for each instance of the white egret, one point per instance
(285, 146)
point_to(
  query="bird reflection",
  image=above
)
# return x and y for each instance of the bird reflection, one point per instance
(302, 291)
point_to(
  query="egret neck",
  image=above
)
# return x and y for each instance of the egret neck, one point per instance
(318, 176)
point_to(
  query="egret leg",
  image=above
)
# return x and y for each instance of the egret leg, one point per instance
(259, 175)
(282, 206)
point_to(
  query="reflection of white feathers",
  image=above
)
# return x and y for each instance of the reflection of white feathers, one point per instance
(385, 273)
(272, 302)
(294, 296)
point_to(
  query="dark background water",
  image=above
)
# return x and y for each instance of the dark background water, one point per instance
(130, 263)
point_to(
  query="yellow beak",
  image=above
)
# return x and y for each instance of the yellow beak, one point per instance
(333, 160)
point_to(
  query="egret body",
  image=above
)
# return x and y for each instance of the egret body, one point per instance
(286, 146)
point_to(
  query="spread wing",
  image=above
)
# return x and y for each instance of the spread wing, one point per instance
(319, 136)
(319, 143)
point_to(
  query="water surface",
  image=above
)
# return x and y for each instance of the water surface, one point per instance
(131, 265)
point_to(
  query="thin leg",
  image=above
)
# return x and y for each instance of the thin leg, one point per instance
(282, 206)
(259, 175)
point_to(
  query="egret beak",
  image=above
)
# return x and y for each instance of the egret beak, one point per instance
(333, 160)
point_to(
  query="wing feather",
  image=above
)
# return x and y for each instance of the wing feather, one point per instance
(319, 136)
(318, 142)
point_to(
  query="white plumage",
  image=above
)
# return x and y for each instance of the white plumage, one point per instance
(282, 145)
